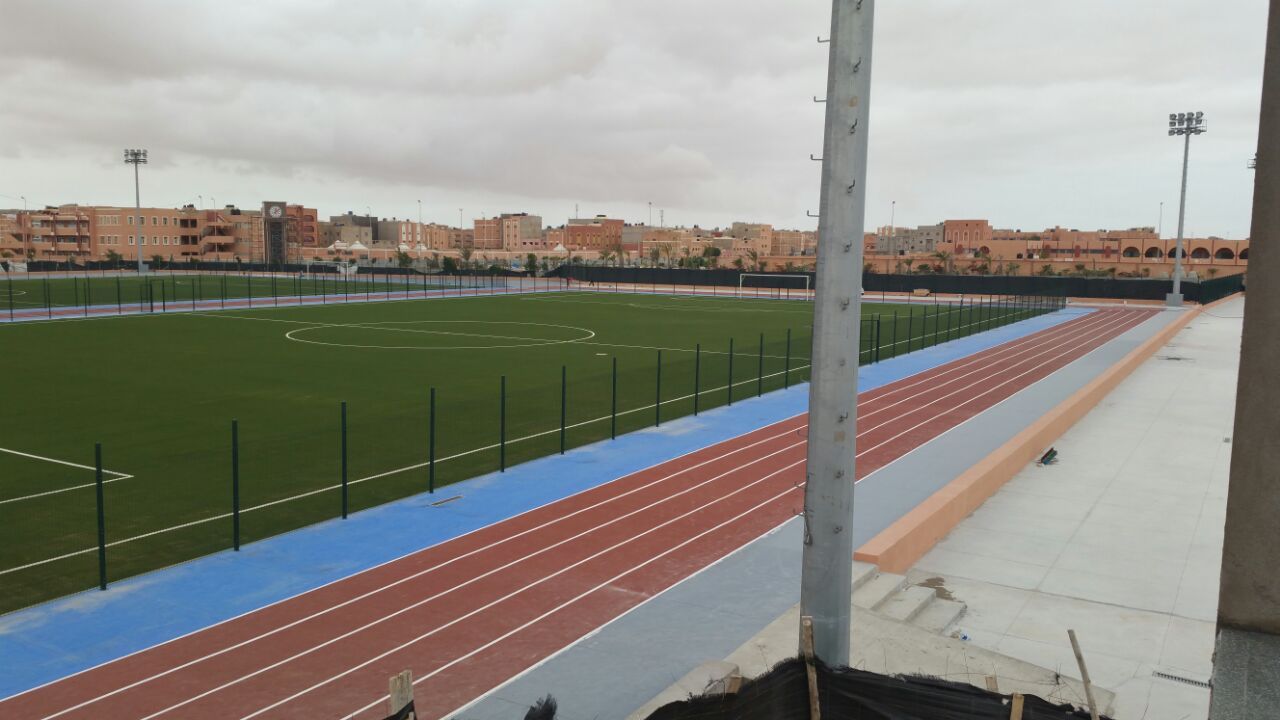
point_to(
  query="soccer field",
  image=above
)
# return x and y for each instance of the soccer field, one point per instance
(159, 392)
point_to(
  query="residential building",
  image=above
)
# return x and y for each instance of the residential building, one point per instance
(597, 233)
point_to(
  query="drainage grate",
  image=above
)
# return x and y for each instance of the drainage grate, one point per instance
(1180, 679)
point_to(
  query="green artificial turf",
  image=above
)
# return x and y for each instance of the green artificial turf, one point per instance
(160, 391)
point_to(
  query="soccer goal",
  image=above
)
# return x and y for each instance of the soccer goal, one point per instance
(773, 285)
(343, 268)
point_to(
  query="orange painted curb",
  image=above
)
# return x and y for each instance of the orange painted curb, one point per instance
(900, 545)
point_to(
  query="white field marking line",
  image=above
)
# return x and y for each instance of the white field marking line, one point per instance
(377, 476)
(976, 358)
(543, 579)
(406, 555)
(986, 356)
(1045, 342)
(407, 608)
(535, 342)
(451, 561)
(988, 391)
(666, 308)
(118, 476)
(557, 608)
(584, 341)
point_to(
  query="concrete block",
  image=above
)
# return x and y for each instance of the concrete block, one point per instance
(877, 590)
(908, 603)
(939, 615)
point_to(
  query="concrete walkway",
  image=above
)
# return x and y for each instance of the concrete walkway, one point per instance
(1120, 540)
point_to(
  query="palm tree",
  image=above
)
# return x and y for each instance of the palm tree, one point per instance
(654, 254)
(755, 260)
(737, 262)
(947, 259)
(909, 262)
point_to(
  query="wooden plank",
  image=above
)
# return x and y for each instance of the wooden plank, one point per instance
(806, 645)
(1084, 675)
(401, 692)
(992, 684)
(1015, 708)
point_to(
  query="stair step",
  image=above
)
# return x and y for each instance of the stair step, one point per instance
(908, 603)
(877, 589)
(939, 615)
(863, 573)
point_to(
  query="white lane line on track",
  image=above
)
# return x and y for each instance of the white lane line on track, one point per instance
(456, 559)
(539, 581)
(454, 621)
(1048, 342)
(1102, 334)
(978, 358)
(996, 356)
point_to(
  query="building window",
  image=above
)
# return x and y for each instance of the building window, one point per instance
(130, 239)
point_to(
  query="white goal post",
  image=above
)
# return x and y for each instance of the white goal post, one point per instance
(753, 289)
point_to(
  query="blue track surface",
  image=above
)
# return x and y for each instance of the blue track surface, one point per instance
(46, 642)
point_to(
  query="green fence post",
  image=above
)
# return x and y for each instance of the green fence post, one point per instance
(249, 280)
(613, 403)
(47, 307)
(878, 336)
(502, 425)
(88, 297)
(10, 279)
(697, 375)
(344, 459)
(235, 485)
(564, 394)
(275, 296)
(657, 399)
(224, 290)
(75, 290)
(786, 363)
(911, 318)
(119, 303)
(760, 369)
(431, 445)
(102, 518)
(730, 371)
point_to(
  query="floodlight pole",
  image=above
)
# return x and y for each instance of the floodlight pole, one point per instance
(827, 574)
(136, 157)
(1176, 299)
(1185, 124)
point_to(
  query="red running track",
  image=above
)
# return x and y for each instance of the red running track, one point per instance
(470, 613)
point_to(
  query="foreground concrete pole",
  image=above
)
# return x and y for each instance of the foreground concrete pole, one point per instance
(826, 582)
(1249, 594)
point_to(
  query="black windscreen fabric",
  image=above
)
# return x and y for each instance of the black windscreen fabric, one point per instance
(783, 694)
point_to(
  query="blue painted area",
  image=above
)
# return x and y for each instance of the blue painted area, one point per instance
(49, 641)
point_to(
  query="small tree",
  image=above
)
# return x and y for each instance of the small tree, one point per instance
(1211, 271)
(531, 263)
(402, 259)
(112, 256)
(449, 266)
(654, 254)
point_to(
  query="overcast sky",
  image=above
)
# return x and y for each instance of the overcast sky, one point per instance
(1028, 113)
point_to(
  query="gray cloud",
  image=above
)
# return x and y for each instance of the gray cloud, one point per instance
(1026, 113)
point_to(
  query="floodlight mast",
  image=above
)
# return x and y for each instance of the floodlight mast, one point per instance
(826, 583)
(136, 157)
(1185, 124)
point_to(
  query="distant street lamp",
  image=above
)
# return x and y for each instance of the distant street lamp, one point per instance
(136, 157)
(1185, 124)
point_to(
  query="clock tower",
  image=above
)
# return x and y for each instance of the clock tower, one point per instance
(274, 244)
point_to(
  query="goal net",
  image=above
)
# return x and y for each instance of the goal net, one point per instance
(330, 267)
(773, 285)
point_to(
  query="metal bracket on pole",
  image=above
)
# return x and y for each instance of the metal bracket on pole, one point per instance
(826, 580)
(816, 98)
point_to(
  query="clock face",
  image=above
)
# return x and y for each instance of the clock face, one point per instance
(276, 211)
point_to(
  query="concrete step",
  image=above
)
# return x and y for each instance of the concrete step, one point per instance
(862, 573)
(877, 590)
(939, 615)
(906, 604)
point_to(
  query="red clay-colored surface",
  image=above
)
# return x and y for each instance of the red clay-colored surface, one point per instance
(468, 614)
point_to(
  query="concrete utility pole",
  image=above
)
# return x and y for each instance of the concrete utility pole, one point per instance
(826, 582)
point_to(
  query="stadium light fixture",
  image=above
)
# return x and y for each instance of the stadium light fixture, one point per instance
(136, 157)
(1185, 124)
